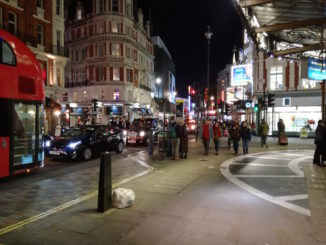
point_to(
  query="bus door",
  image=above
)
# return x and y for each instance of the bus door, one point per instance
(5, 138)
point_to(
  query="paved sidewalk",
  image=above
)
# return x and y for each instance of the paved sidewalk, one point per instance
(182, 202)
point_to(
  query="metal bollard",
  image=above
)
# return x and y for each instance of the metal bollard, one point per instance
(105, 183)
(150, 143)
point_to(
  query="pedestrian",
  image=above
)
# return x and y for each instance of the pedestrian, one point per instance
(280, 128)
(253, 128)
(217, 134)
(183, 139)
(177, 140)
(171, 135)
(264, 128)
(235, 136)
(206, 134)
(245, 134)
(320, 142)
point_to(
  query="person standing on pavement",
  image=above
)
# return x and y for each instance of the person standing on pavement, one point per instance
(281, 128)
(171, 135)
(235, 136)
(217, 134)
(177, 129)
(264, 128)
(206, 134)
(245, 134)
(320, 142)
(183, 139)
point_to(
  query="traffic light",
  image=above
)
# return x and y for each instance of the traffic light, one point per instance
(95, 104)
(256, 108)
(271, 100)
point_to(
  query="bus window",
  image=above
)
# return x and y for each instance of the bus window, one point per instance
(7, 54)
(24, 122)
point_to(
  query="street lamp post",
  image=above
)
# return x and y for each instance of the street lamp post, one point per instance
(208, 35)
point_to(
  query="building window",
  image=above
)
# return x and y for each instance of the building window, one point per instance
(58, 77)
(101, 73)
(76, 55)
(83, 53)
(79, 14)
(39, 3)
(115, 5)
(116, 95)
(276, 78)
(59, 42)
(308, 84)
(116, 74)
(12, 22)
(0, 17)
(128, 10)
(128, 52)
(58, 7)
(40, 34)
(100, 6)
(116, 27)
(101, 50)
(116, 49)
(129, 75)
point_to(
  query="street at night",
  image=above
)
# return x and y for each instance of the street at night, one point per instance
(162, 122)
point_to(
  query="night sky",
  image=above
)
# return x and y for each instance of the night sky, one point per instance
(182, 24)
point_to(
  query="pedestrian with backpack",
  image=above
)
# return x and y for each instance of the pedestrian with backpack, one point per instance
(320, 142)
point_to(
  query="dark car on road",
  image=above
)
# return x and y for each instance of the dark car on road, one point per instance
(83, 142)
(140, 130)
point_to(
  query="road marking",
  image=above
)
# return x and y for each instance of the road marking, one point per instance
(293, 197)
(225, 170)
(260, 165)
(265, 176)
(294, 165)
(76, 201)
(273, 158)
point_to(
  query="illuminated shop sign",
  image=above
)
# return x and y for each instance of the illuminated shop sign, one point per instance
(241, 75)
(316, 69)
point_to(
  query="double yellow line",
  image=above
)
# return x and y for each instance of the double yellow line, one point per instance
(76, 201)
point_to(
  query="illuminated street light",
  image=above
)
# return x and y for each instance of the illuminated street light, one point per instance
(158, 80)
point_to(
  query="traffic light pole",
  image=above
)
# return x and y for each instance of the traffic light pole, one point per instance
(323, 100)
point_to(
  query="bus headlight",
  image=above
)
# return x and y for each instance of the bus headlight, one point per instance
(73, 145)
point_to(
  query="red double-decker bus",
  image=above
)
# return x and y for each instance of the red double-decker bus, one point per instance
(21, 107)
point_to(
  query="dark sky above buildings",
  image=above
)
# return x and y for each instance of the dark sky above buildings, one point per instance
(182, 23)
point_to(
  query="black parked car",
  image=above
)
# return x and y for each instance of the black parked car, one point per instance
(85, 141)
(140, 130)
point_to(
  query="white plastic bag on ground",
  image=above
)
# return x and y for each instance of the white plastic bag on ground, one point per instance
(123, 198)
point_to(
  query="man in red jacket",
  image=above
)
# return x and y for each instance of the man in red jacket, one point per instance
(206, 134)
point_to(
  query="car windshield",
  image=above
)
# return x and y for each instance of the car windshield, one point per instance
(140, 123)
(78, 132)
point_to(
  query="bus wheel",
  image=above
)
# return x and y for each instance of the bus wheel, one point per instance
(87, 154)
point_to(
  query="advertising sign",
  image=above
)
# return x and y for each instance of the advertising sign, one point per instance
(316, 69)
(172, 91)
(236, 93)
(241, 75)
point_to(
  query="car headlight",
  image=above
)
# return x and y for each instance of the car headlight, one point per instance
(73, 145)
(142, 134)
(124, 132)
(47, 143)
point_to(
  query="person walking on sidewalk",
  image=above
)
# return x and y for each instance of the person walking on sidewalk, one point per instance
(183, 139)
(177, 140)
(320, 142)
(171, 136)
(235, 136)
(263, 133)
(217, 134)
(245, 134)
(206, 134)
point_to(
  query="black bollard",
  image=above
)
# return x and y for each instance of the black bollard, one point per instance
(105, 183)
(150, 143)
